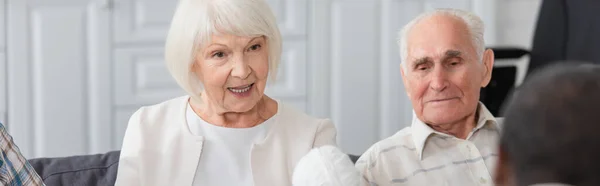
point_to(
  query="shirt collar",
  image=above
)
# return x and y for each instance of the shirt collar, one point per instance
(421, 131)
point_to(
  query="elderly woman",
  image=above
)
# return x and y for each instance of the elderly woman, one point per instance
(226, 131)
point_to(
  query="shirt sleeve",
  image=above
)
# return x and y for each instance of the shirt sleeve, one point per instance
(129, 161)
(365, 165)
(15, 170)
(326, 134)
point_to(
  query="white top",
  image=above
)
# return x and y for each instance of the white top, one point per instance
(419, 155)
(159, 148)
(226, 156)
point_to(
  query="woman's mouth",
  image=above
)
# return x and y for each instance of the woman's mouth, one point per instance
(240, 89)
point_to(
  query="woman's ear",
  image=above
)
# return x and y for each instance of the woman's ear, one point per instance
(488, 63)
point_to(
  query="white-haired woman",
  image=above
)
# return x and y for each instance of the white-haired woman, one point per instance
(226, 131)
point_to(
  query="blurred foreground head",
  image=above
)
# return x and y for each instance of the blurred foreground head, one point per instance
(551, 128)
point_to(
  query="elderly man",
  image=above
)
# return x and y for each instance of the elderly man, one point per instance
(452, 138)
(551, 131)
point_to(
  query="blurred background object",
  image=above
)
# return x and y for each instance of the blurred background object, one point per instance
(73, 71)
(565, 31)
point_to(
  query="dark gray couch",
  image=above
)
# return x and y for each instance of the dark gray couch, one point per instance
(86, 170)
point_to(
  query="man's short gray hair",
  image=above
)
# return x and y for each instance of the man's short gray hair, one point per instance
(474, 24)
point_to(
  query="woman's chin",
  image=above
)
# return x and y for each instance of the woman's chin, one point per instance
(244, 103)
(243, 106)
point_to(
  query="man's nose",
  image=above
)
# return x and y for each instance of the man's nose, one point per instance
(439, 80)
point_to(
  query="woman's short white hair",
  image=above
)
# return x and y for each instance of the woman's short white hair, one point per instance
(195, 21)
(474, 24)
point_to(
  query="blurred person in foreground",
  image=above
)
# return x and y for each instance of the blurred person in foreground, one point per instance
(452, 139)
(550, 133)
(226, 131)
(15, 170)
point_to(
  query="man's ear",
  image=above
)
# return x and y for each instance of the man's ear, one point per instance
(488, 63)
(403, 75)
(504, 171)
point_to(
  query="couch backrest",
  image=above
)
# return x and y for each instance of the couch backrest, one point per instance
(86, 170)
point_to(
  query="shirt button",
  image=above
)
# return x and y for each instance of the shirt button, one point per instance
(482, 180)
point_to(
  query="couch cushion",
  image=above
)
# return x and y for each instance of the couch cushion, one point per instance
(86, 170)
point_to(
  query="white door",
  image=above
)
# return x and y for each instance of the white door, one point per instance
(139, 76)
(58, 60)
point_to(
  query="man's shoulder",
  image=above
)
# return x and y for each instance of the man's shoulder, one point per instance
(402, 137)
(399, 143)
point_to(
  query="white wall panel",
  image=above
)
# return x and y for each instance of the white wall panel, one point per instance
(53, 51)
(319, 57)
(3, 70)
(56, 111)
(291, 76)
(354, 69)
(516, 27)
(121, 118)
(141, 77)
(395, 109)
(291, 16)
(99, 78)
(19, 81)
(488, 11)
(458, 4)
(142, 21)
(3, 102)
(2, 26)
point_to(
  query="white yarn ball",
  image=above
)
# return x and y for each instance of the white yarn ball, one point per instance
(325, 166)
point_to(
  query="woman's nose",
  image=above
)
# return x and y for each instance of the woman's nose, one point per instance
(241, 69)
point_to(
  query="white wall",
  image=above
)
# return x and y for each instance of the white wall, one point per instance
(516, 22)
(515, 29)
(3, 71)
(73, 71)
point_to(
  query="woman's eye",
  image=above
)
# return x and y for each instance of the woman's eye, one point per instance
(218, 55)
(254, 47)
(454, 63)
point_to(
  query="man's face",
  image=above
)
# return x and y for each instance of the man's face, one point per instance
(443, 74)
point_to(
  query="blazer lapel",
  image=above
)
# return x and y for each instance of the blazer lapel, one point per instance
(186, 150)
